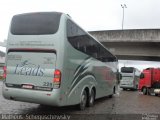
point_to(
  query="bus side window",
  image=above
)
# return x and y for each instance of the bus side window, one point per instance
(106, 56)
(84, 49)
(78, 45)
(86, 44)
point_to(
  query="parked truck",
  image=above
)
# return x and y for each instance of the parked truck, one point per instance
(150, 81)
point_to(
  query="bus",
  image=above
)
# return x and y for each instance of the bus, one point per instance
(130, 78)
(50, 60)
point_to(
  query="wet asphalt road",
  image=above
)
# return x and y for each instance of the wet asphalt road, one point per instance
(126, 102)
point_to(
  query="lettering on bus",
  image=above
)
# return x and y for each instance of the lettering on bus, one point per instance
(29, 69)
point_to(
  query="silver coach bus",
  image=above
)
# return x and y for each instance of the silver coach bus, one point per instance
(50, 60)
(130, 78)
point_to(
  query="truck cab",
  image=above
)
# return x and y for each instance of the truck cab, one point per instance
(150, 81)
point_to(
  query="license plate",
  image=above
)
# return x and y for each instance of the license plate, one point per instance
(27, 86)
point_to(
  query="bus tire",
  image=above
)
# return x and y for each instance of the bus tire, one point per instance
(83, 101)
(144, 90)
(110, 96)
(156, 94)
(91, 99)
(124, 89)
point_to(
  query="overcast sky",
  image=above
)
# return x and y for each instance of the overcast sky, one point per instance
(91, 15)
(138, 64)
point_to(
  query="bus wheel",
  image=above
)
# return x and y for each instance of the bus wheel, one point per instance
(144, 91)
(83, 100)
(156, 94)
(91, 99)
(110, 96)
(124, 89)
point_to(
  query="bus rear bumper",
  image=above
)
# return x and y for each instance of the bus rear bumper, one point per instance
(33, 96)
(127, 86)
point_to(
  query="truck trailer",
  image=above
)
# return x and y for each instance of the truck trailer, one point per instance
(150, 81)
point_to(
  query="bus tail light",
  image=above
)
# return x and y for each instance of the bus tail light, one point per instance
(57, 78)
(4, 72)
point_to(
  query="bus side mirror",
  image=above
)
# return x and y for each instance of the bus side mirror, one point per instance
(142, 76)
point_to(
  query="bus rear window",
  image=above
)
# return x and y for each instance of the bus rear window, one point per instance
(35, 23)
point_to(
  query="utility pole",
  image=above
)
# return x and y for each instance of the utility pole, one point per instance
(123, 7)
